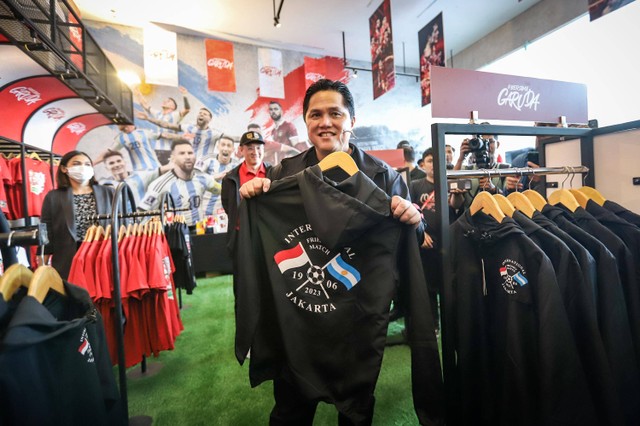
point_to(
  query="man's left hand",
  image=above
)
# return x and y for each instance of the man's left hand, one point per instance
(404, 211)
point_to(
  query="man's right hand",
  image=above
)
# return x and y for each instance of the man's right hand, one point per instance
(255, 187)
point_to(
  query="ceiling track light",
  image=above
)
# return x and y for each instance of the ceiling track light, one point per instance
(276, 15)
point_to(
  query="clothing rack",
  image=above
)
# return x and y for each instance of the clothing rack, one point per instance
(115, 215)
(10, 146)
(35, 236)
(438, 134)
(517, 171)
(119, 325)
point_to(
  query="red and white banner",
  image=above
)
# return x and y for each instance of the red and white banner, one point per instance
(271, 74)
(314, 70)
(75, 35)
(382, 64)
(431, 44)
(455, 93)
(221, 69)
(160, 56)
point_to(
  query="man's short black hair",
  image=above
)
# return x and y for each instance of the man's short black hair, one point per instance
(208, 112)
(452, 148)
(326, 84)
(175, 104)
(275, 103)
(409, 154)
(427, 152)
(180, 141)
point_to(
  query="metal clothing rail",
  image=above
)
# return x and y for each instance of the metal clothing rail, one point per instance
(37, 236)
(517, 171)
(438, 133)
(115, 215)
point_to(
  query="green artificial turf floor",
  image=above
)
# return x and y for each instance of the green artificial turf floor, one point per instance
(201, 383)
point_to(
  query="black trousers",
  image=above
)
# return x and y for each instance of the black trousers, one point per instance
(292, 409)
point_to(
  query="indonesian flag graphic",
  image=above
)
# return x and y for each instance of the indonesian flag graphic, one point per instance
(343, 272)
(291, 258)
(503, 272)
(84, 346)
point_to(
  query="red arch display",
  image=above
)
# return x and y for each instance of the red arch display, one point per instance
(39, 109)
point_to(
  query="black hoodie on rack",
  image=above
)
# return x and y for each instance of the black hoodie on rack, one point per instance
(579, 303)
(613, 319)
(630, 236)
(622, 212)
(516, 357)
(54, 364)
(626, 267)
(320, 263)
(584, 258)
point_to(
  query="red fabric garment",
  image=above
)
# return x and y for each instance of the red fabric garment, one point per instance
(13, 195)
(4, 174)
(82, 261)
(176, 321)
(246, 175)
(38, 184)
(137, 285)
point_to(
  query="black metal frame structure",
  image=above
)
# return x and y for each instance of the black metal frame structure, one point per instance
(42, 30)
(438, 133)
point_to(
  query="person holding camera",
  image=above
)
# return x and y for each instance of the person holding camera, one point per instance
(481, 153)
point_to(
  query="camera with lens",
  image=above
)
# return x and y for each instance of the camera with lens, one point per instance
(479, 150)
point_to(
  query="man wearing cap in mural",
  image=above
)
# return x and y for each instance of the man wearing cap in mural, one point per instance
(252, 149)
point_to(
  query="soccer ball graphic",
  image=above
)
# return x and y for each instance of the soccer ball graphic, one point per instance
(315, 275)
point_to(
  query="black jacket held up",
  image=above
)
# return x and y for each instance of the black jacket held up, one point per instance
(321, 263)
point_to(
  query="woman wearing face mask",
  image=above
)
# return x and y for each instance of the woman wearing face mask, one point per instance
(67, 210)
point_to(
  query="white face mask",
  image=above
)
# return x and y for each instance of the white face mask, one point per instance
(80, 174)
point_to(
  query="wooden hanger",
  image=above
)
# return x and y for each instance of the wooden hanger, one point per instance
(98, 234)
(339, 159)
(522, 203)
(485, 202)
(593, 194)
(536, 199)
(107, 233)
(44, 279)
(35, 156)
(90, 232)
(15, 276)
(564, 197)
(504, 204)
(581, 198)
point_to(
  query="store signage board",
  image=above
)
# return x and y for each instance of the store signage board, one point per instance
(457, 92)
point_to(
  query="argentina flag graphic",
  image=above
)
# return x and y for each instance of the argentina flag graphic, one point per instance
(343, 272)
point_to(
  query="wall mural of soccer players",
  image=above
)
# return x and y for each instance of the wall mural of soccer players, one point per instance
(431, 45)
(192, 112)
